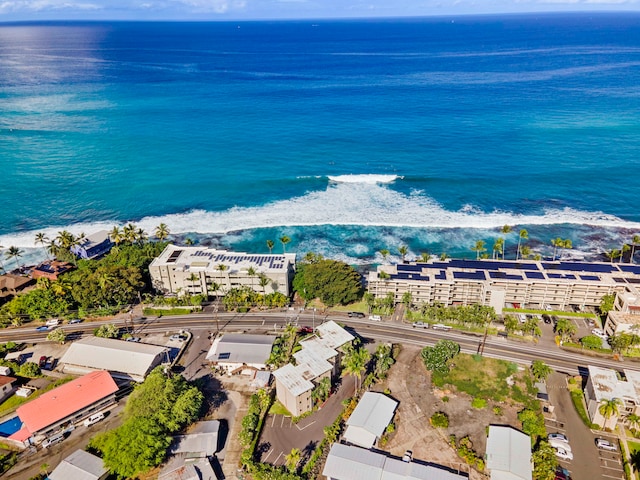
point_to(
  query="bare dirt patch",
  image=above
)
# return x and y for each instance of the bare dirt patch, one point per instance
(410, 384)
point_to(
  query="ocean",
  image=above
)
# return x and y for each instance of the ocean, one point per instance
(347, 136)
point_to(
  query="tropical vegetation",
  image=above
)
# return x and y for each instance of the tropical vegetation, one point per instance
(331, 281)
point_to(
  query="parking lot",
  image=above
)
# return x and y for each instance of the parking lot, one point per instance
(588, 460)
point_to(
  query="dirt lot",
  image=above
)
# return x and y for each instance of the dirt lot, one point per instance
(410, 384)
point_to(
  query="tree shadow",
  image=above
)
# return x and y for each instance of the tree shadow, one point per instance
(214, 393)
(635, 460)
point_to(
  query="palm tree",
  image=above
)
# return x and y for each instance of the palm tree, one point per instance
(479, 248)
(634, 242)
(633, 421)
(540, 370)
(284, 240)
(322, 389)
(270, 245)
(424, 257)
(162, 232)
(292, 459)
(505, 230)
(141, 236)
(193, 278)
(263, 281)
(188, 241)
(42, 239)
(523, 235)
(403, 250)
(525, 251)
(625, 248)
(355, 363)
(251, 272)
(609, 408)
(14, 252)
(557, 243)
(498, 245)
(565, 329)
(129, 232)
(385, 254)
(612, 254)
(566, 245)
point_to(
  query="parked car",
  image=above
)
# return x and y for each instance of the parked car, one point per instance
(53, 322)
(562, 473)
(43, 361)
(420, 325)
(50, 363)
(180, 337)
(42, 328)
(598, 332)
(555, 443)
(563, 453)
(75, 320)
(408, 456)
(95, 418)
(133, 339)
(546, 319)
(606, 445)
(57, 438)
(305, 330)
(375, 318)
(356, 314)
(558, 436)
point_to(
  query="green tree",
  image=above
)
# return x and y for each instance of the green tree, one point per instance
(435, 358)
(14, 253)
(263, 281)
(42, 239)
(332, 281)
(57, 335)
(635, 241)
(322, 389)
(612, 254)
(633, 421)
(292, 459)
(385, 254)
(609, 408)
(29, 370)
(270, 245)
(540, 370)
(439, 420)
(424, 257)
(566, 245)
(479, 248)
(284, 240)
(354, 362)
(606, 303)
(498, 245)
(108, 330)
(557, 243)
(511, 324)
(383, 359)
(162, 232)
(545, 461)
(565, 328)
(532, 327)
(403, 250)
(620, 342)
(591, 342)
(532, 423)
(505, 230)
(407, 299)
(522, 235)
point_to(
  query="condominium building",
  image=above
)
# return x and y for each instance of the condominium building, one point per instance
(604, 384)
(534, 284)
(319, 358)
(625, 316)
(202, 270)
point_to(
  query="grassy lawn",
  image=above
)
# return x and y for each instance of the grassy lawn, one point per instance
(487, 378)
(353, 307)
(558, 313)
(278, 409)
(14, 401)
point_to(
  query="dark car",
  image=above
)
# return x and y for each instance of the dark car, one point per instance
(75, 320)
(356, 314)
(305, 330)
(43, 361)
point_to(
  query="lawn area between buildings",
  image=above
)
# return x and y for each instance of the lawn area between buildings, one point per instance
(488, 378)
(15, 401)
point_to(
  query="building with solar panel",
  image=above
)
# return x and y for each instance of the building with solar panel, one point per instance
(207, 271)
(530, 284)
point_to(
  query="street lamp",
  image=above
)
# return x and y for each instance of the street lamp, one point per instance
(314, 319)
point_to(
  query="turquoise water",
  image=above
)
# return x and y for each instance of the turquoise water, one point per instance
(347, 136)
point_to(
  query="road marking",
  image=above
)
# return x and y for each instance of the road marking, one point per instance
(282, 422)
(305, 426)
(273, 420)
(267, 455)
(276, 460)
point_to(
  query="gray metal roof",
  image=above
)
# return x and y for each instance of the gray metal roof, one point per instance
(205, 441)
(132, 358)
(372, 414)
(241, 348)
(508, 453)
(354, 463)
(294, 379)
(333, 335)
(80, 465)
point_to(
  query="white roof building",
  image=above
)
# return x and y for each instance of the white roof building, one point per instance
(130, 360)
(603, 384)
(241, 352)
(316, 360)
(369, 419)
(194, 270)
(508, 454)
(80, 465)
(353, 463)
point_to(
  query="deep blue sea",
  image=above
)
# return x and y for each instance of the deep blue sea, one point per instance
(346, 136)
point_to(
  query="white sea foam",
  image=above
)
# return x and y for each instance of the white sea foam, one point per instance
(366, 178)
(345, 203)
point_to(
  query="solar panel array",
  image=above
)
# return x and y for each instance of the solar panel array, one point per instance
(593, 278)
(506, 276)
(274, 262)
(580, 267)
(477, 275)
(174, 256)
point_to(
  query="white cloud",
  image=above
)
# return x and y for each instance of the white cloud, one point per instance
(42, 5)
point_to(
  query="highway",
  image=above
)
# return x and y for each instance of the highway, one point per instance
(270, 322)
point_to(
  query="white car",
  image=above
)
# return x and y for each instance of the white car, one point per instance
(559, 444)
(605, 445)
(598, 332)
(559, 437)
(375, 318)
(563, 453)
(53, 322)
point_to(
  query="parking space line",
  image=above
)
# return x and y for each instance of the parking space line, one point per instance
(305, 426)
(275, 462)
(282, 422)
(267, 455)
(273, 420)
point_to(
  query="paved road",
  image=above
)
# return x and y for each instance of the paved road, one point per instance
(588, 461)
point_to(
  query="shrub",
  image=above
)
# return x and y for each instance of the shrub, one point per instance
(445, 399)
(479, 403)
(497, 410)
(440, 420)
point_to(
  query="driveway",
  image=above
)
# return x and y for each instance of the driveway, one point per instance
(280, 435)
(588, 461)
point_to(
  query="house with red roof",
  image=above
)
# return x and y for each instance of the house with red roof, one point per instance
(64, 406)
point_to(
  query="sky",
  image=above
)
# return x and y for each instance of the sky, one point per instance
(35, 10)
